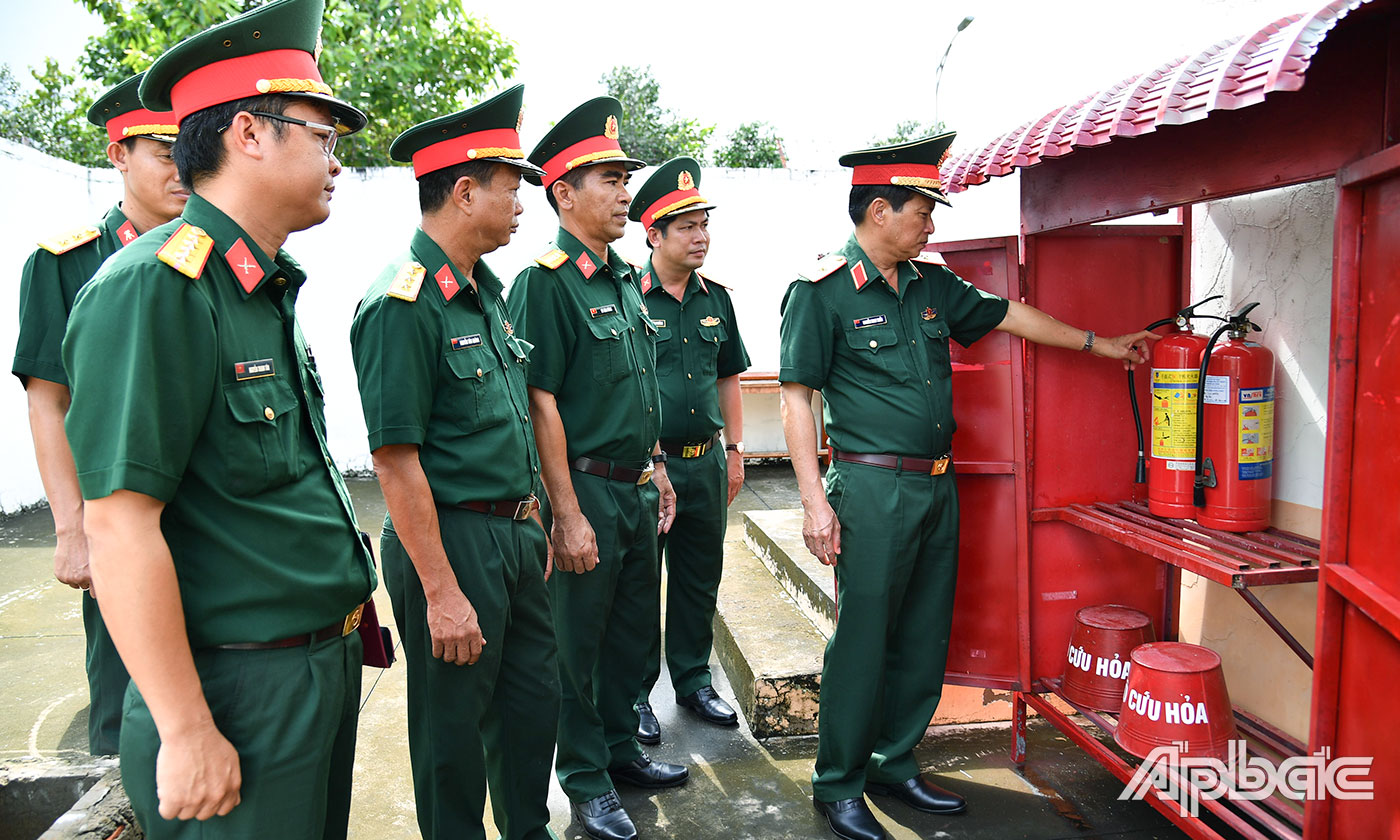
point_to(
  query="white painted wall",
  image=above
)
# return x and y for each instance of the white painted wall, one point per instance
(1274, 247)
(768, 225)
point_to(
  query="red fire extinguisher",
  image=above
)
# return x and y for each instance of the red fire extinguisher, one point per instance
(1176, 362)
(1233, 484)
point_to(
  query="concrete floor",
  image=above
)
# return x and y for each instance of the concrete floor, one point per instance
(739, 787)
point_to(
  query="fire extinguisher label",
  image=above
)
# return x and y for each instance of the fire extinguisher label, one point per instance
(1174, 414)
(1256, 433)
(1217, 390)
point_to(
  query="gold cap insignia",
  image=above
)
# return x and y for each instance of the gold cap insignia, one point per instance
(610, 128)
(316, 51)
(685, 181)
(519, 120)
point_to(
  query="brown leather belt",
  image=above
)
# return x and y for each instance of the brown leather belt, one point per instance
(899, 463)
(516, 509)
(678, 448)
(607, 469)
(343, 627)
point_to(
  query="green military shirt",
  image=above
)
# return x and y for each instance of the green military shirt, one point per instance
(594, 349)
(697, 342)
(49, 285)
(445, 372)
(880, 359)
(201, 392)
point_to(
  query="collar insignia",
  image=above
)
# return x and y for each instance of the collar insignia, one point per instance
(447, 282)
(246, 269)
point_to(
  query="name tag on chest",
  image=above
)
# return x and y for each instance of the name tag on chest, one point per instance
(606, 309)
(462, 342)
(870, 321)
(256, 369)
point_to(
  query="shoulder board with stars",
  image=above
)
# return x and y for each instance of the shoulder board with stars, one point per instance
(552, 258)
(66, 242)
(407, 282)
(930, 259)
(824, 268)
(187, 250)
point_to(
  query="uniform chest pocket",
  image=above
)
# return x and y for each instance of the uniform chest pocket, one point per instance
(876, 349)
(711, 337)
(607, 349)
(666, 351)
(936, 335)
(482, 395)
(261, 449)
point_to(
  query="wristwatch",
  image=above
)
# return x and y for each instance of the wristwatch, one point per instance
(1088, 341)
(659, 458)
(737, 446)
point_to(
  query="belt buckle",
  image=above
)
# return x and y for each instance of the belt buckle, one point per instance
(524, 508)
(646, 474)
(352, 621)
(940, 465)
(692, 451)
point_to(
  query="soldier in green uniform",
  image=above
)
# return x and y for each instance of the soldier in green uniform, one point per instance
(597, 417)
(699, 356)
(223, 543)
(139, 148)
(442, 384)
(869, 327)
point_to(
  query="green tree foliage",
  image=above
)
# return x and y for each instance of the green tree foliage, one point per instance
(909, 130)
(52, 118)
(400, 61)
(753, 144)
(648, 131)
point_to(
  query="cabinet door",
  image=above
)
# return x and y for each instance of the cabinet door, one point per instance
(989, 448)
(1357, 672)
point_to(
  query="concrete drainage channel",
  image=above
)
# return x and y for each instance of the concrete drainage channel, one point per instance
(60, 798)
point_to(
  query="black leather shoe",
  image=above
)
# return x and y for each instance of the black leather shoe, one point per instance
(921, 796)
(603, 818)
(646, 773)
(709, 706)
(850, 819)
(648, 729)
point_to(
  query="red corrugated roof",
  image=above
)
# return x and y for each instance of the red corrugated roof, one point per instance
(1232, 74)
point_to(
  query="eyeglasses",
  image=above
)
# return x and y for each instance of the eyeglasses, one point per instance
(327, 140)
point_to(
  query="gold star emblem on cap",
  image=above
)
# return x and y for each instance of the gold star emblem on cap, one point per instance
(686, 181)
(610, 128)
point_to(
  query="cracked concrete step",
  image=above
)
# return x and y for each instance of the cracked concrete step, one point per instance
(775, 538)
(769, 650)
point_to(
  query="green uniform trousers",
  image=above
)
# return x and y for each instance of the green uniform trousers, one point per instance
(291, 714)
(486, 725)
(694, 556)
(107, 681)
(883, 671)
(604, 620)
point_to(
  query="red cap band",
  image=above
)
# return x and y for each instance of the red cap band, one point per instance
(887, 175)
(590, 150)
(140, 121)
(669, 203)
(245, 76)
(492, 143)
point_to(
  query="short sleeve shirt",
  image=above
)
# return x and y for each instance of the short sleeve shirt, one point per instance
(697, 344)
(445, 372)
(202, 393)
(48, 287)
(594, 348)
(881, 359)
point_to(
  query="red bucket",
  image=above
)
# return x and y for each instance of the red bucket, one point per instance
(1176, 693)
(1097, 666)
